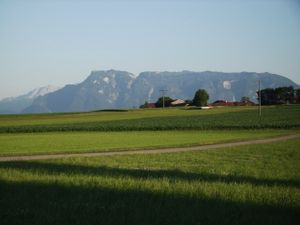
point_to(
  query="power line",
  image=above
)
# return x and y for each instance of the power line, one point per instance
(259, 91)
(163, 95)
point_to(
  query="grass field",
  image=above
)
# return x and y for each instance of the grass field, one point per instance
(280, 117)
(63, 142)
(101, 116)
(258, 184)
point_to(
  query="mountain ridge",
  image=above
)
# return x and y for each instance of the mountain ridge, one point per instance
(121, 89)
(13, 105)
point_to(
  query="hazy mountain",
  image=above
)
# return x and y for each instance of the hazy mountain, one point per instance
(183, 85)
(120, 89)
(18, 104)
(102, 89)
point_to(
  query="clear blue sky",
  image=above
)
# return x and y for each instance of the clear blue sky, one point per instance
(60, 42)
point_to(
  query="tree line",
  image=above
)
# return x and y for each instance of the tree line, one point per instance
(280, 95)
(200, 99)
(269, 96)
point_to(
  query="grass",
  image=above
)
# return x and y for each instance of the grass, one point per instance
(109, 115)
(257, 184)
(103, 115)
(64, 142)
(280, 117)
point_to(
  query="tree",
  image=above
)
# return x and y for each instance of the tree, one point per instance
(201, 98)
(297, 96)
(144, 105)
(245, 99)
(168, 101)
(267, 96)
(280, 95)
(284, 94)
(189, 102)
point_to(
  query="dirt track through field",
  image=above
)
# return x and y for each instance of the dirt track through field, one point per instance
(149, 151)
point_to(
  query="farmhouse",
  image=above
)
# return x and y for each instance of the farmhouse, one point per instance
(223, 103)
(149, 105)
(178, 102)
(226, 103)
(246, 103)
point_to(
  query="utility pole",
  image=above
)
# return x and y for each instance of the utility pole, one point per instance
(259, 91)
(163, 95)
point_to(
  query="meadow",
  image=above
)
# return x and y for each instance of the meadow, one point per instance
(253, 184)
(70, 142)
(280, 117)
(257, 184)
(106, 115)
(141, 129)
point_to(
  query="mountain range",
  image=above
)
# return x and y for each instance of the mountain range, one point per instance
(121, 89)
(13, 105)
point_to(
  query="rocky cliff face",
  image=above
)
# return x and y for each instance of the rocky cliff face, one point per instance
(102, 89)
(183, 85)
(120, 89)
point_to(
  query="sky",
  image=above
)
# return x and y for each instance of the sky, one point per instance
(61, 42)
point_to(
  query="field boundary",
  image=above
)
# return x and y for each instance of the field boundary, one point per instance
(149, 151)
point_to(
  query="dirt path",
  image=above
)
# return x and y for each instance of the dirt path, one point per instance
(149, 151)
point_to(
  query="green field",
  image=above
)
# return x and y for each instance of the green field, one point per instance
(101, 116)
(63, 142)
(258, 184)
(280, 117)
(254, 184)
(141, 129)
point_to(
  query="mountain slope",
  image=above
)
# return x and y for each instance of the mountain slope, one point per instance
(226, 86)
(18, 104)
(120, 89)
(102, 89)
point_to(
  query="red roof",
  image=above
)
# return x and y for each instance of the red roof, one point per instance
(226, 103)
(223, 103)
(150, 105)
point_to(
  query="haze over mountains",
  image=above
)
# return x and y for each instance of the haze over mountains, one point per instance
(18, 104)
(121, 89)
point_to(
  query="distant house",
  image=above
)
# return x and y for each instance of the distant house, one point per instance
(150, 105)
(223, 103)
(226, 103)
(246, 103)
(178, 102)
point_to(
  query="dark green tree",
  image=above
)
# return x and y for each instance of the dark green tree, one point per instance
(189, 102)
(245, 99)
(268, 96)
(168, 101)
(144, 105)
(284, 94)
(201, 98)
(297, 96)
(280, 95)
